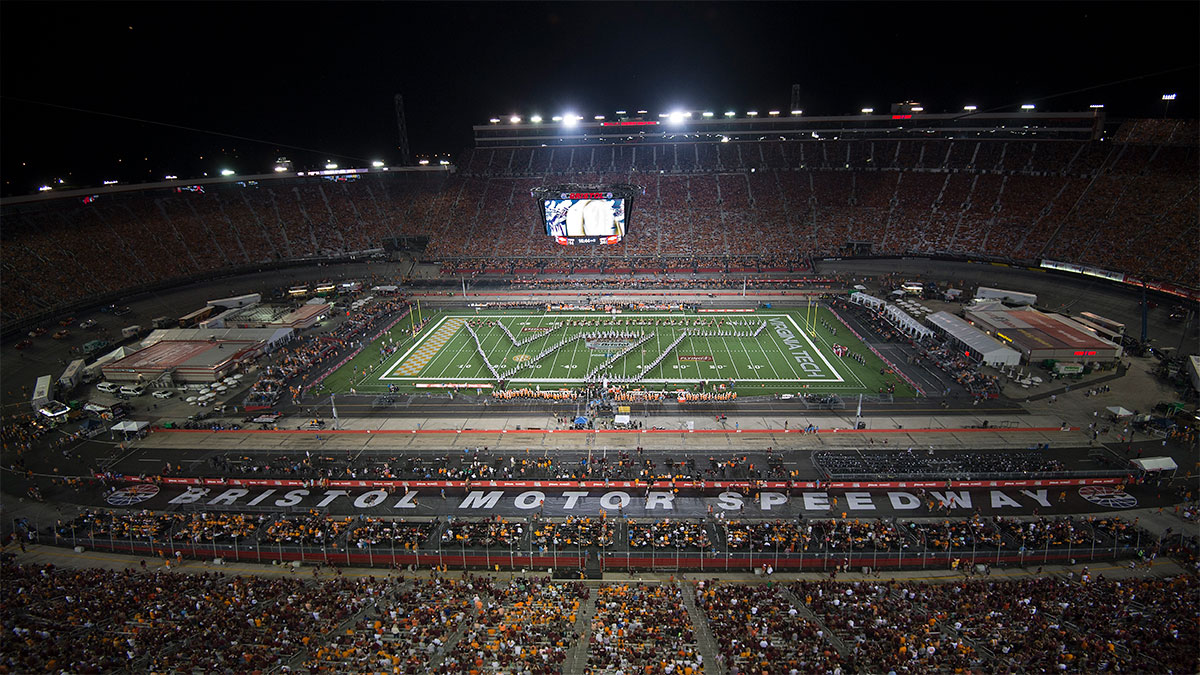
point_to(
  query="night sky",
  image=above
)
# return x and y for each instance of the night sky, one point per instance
(322, 76)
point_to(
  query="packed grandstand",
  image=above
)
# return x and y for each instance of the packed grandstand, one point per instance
(1126, 203)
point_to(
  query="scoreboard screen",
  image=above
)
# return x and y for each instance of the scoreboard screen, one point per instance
(574, 214)
(586, 219)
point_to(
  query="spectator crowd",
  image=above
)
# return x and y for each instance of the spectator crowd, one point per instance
(708, 208)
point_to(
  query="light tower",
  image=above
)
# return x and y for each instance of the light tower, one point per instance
(402, 128)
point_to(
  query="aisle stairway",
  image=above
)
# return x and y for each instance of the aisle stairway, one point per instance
(704, 639)
(296, 662)
(804, 611)
(577, 656)
(467, 621)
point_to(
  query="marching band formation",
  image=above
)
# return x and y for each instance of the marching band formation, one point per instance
(617, 330)
(706, 397)
(550, 395)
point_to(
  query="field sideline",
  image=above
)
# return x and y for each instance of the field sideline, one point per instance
(785, 357)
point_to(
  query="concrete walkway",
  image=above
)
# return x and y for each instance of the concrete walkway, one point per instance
(37, 554)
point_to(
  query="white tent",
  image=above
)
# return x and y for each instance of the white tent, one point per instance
(130, 426)
(1152, 464)
(988, 349)
(1119, 411)
(93, 370)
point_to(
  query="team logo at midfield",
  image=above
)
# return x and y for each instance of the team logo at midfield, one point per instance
(134, 494)
(1108, 497)
(521, 357)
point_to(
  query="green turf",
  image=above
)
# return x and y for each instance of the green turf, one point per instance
(782, 359)
(370, 360)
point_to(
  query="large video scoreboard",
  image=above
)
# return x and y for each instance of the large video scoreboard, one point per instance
(583, 214)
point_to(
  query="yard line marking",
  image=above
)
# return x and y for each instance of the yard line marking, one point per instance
(709, 347)
(736, 374)
(559, 352)
(770, 360)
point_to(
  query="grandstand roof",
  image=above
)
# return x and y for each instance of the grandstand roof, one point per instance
(642, 129)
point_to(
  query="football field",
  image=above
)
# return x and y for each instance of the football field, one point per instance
(769, 351)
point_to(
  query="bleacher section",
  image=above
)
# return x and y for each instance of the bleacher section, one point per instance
(1128, 204)
(63, 620)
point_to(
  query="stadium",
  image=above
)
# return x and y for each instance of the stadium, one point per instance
(672, 390)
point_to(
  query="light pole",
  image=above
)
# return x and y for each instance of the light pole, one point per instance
(1167, 105)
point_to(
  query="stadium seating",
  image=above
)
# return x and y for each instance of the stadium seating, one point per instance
(1128, 204)
(758, 629)
(826, 537)
(641, 628)
(93, 620)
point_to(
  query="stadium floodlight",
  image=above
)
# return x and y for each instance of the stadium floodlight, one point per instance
(423, 162)
(107, 182)
(773, 113)
(515, 119)
(1028, 106)
(280, 169)
(378, 164)
(45, 188)
(708, 113)
(970, 108)
(598, 117)
(444, 162)
(536, 119)
(1167, 98)
(751, 113)
(676, 117)
(227, 172)
(330, 165)
(495, 120)
(170, 177)
(730, 113)
(621, 112)
(556, 118)
(917, 108)
(643, 112)
(868, 111)
(797, 112)
(724, 139)
(664, 114)
(1096, 106)
(569, 120)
